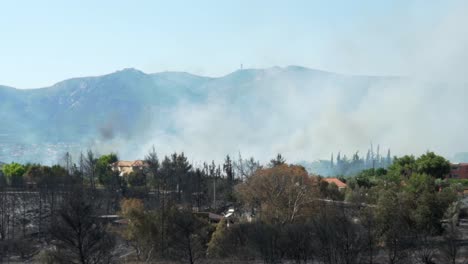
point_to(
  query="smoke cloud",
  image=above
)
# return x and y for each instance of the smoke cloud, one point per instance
(308, 119)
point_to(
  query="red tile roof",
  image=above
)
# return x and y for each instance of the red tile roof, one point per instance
(336, 181)
(123, 163)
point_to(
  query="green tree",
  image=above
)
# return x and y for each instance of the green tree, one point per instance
(153, 168)
(433, 165)
(428, 163)
(103, 169)
(143, 230)
(393, 223)
(428, 204)
(14, 173)
(217, 246)
(403, 166)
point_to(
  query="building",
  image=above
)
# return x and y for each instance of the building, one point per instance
(341, 185)
(127, 167)
(459, 171)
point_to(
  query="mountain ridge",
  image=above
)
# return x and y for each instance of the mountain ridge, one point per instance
(133, 106)
(162, 73)
(84, 103)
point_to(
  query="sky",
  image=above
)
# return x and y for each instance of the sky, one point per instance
(43, 42)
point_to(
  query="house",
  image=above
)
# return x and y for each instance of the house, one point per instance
(341, 185)
(127, 167)
(459, 171)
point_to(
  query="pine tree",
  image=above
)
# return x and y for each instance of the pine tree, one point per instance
(212, 169)
(182, 169)
(229, 170)
(389, 158)
(339, 164)
(279, 160)
(153, 165)
(240, 167)
(377, 158)
(368, 159)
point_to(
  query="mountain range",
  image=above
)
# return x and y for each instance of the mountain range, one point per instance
(125, 102)
(262, 111)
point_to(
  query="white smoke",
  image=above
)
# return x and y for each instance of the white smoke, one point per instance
(425, 111)
(306, 120)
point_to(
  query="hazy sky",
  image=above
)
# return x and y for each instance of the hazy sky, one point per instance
(43, 42)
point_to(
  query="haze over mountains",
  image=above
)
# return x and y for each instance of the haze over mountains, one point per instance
(300, 112)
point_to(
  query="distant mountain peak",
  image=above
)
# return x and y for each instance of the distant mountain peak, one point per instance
(297, 68)
(129, 71)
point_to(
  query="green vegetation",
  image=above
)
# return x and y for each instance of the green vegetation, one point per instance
(14, 173)
(103, 169)
(171, 211)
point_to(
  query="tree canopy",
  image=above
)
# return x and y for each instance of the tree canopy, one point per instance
(280, 194)
(14, 173)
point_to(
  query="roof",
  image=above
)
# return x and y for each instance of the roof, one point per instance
(210, 216)
(336, 181)
(215, 217)
(125, 163)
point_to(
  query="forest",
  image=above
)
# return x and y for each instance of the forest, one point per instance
(344, 166)
(83, 210)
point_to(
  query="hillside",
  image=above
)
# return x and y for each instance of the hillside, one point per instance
(125, 102)
(304, 113)
(83, 108)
